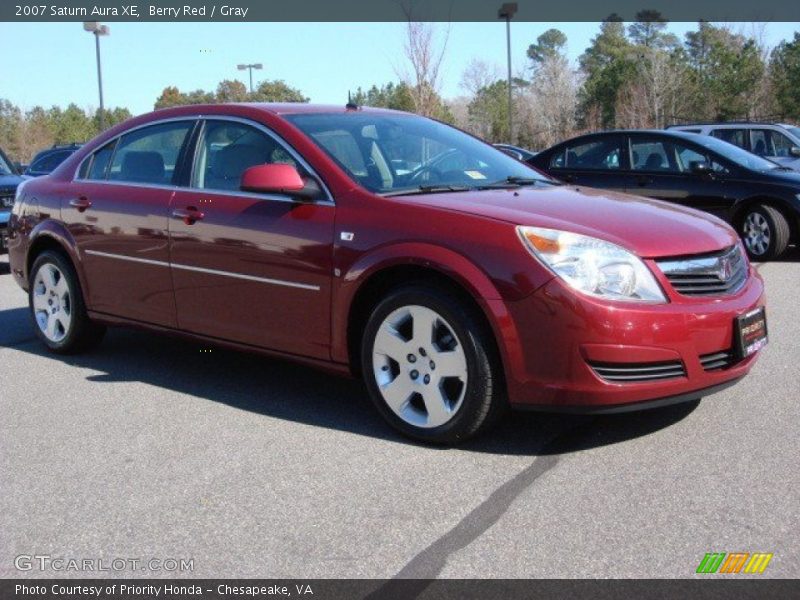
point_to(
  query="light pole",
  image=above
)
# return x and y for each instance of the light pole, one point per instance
(507, 12)
(256, 66)
(98, 29)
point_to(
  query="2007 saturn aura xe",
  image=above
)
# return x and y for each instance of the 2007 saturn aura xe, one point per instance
(454, 279)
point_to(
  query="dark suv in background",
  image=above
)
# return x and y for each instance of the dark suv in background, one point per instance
(760, 198)
(9, 180)
(47, 160)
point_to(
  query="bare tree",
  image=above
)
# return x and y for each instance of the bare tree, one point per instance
(656, 94)
(547, 107)
(479, 74)
(425, 53)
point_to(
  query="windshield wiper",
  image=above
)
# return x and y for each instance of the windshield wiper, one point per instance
(430, 189)
(516, 181)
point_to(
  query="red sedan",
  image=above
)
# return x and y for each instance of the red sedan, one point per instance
(456, 280)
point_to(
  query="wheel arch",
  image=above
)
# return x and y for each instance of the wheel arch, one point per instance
(50, 235)
(367, 283)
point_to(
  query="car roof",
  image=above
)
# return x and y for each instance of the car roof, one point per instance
(282, 108)
(731, 124)
(686, 135)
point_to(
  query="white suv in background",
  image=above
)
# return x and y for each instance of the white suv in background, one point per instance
(778, 142)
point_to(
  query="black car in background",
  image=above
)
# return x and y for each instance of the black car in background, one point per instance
(757, 196)
(47, 160)
(522, 154)
(9, 180)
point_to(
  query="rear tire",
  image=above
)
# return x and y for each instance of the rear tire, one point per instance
(57, 308)
(764, 231)
(430, 366)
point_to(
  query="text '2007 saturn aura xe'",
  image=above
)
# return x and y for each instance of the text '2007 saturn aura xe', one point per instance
(453, 278)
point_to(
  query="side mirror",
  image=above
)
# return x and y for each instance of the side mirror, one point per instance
(700, 167)
(794, 151)
(277, 178)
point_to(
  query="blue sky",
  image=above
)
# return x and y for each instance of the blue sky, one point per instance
(54, 63)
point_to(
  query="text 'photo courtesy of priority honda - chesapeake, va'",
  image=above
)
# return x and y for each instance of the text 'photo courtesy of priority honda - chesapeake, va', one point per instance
(400, 299)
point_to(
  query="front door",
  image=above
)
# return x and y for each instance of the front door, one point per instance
(250, 268)
(118, 214)
(662, 169)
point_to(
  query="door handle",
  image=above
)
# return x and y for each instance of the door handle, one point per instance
(568, 178)
(81, 203)
(642, 181)
(189, 215)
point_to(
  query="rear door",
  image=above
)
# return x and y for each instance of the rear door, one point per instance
(662, 169)
(597, 162)
(251, 268)
(117, 210)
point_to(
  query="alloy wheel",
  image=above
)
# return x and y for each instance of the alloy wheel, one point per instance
(52, 302)
(420, 366)
(757, 233)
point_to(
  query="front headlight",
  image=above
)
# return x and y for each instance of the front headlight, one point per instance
(593, 266)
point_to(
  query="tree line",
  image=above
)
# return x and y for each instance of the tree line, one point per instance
(635, 74)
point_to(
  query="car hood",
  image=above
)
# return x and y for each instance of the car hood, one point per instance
(10, 181)
(650, 228)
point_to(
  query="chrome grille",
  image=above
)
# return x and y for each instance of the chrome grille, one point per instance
(717, 360)
(716, 274)
(638, 372)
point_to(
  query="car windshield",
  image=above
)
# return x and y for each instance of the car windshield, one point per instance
(736, 155)
(794, 130)
(394, 154)
(5, 168)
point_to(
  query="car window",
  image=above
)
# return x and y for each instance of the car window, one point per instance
(149, 155)
(603, 154)
(228, 148)
(760, 143)
(649, 154)
(49, 162)
(687, 156)
(96, 166)
(779, 144)
(737, 137)
(342, 145)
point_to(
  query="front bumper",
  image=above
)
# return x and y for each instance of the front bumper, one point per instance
(561, 337)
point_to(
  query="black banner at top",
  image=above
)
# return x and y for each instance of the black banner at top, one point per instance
(394, 10)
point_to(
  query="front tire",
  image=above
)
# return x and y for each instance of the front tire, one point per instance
(57, 307)
(765, 232)
(430, 366)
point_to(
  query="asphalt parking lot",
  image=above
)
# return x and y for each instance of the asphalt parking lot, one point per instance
(153, 447)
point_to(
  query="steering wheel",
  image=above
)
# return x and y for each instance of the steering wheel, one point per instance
(435, 173)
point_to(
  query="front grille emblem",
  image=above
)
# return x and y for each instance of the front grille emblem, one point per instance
(725, 269)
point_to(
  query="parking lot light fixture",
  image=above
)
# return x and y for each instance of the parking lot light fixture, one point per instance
(98, 29)
(507, 12)
(250, 67)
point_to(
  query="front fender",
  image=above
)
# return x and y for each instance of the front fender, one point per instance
(436, 258)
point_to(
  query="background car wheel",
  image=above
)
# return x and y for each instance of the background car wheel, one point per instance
(430, 365)
(57, 308)
(764, 231)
